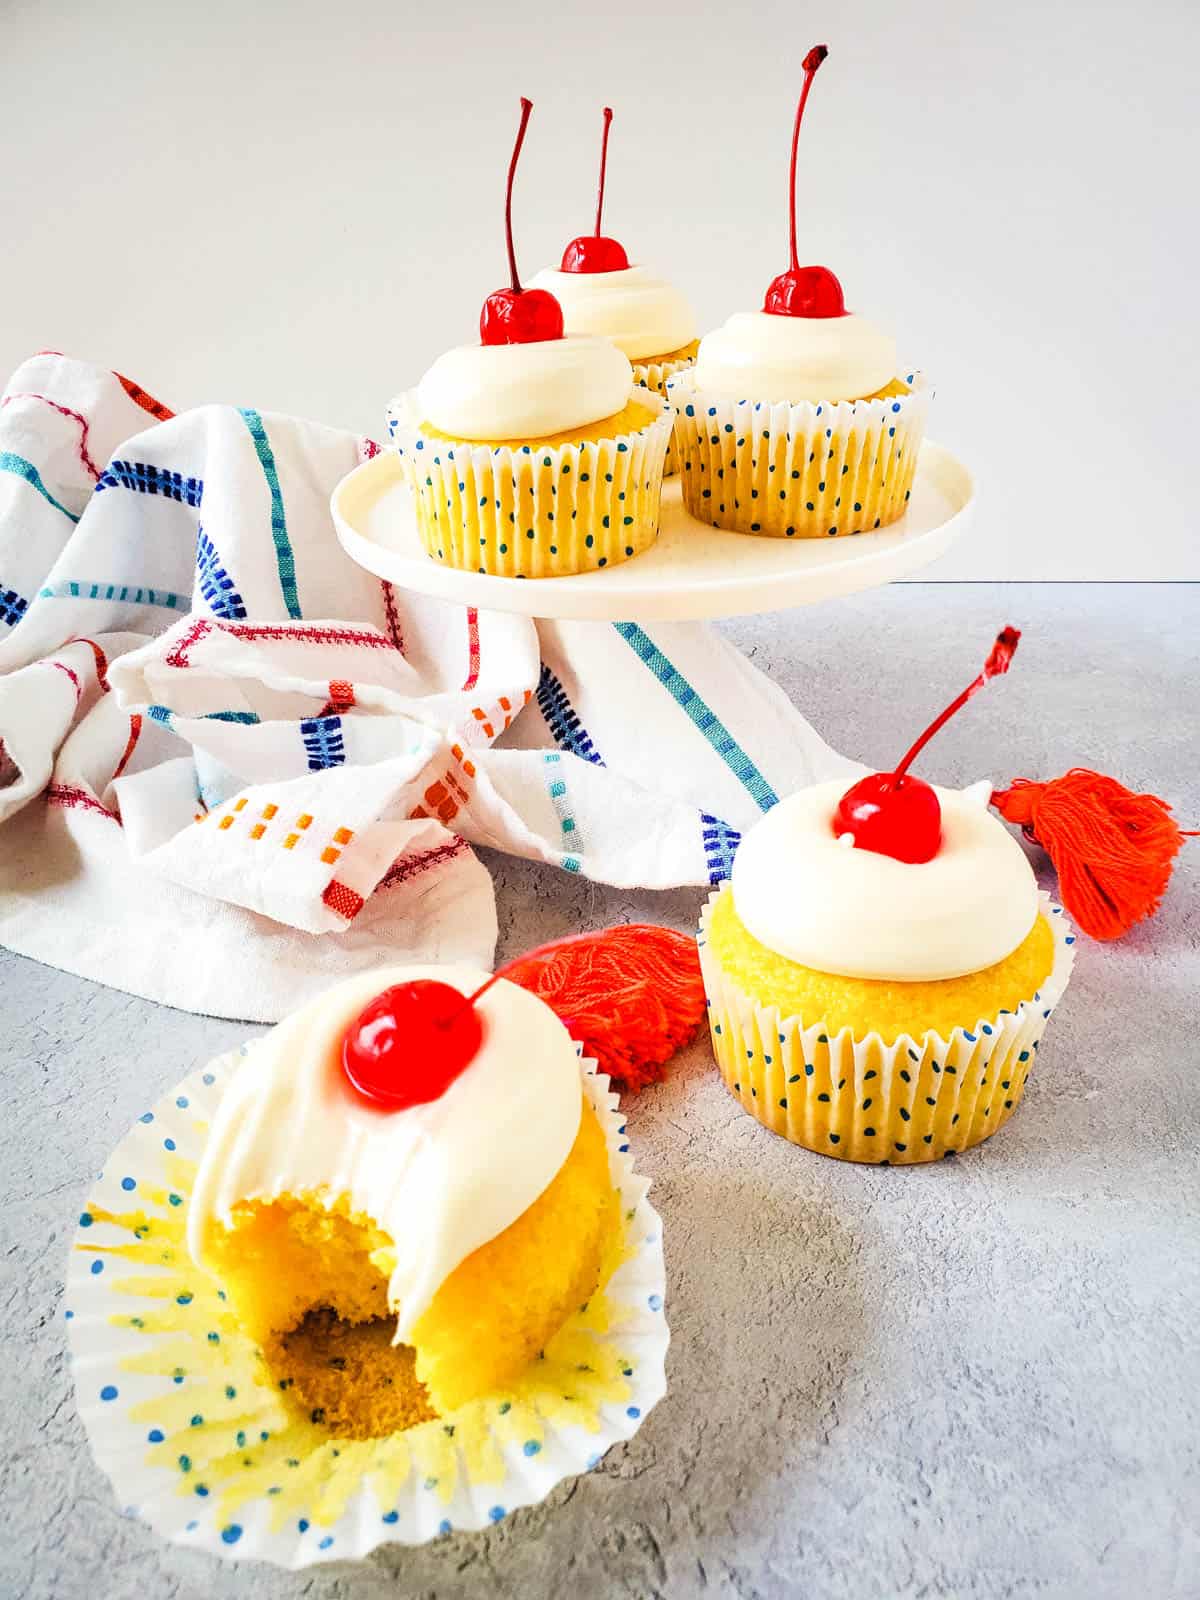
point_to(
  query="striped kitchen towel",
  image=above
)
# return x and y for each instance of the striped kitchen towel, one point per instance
(233, 763)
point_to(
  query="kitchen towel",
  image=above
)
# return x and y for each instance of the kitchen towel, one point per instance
(233, 763)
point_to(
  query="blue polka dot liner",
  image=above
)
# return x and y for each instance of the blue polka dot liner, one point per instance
(859, 1099)
(197, 1440)
(657, 375)
(535, 510)
(804, 471)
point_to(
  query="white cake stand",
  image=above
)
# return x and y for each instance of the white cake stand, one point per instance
(692, 572)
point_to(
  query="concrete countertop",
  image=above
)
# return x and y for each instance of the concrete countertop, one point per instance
(976, 1380)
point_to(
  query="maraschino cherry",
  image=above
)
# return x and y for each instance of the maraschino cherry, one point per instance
(516, 315)
(804, 291)
(895, 814)
(592, 252)
(408, 1046)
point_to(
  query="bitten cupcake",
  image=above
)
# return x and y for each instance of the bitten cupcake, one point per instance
(794, 422)
(644, 315)
(881, 967)
(409, 1161)
(532, 454)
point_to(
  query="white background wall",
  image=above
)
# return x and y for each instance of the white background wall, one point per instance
(298, 206)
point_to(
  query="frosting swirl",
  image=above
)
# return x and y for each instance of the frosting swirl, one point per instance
(642, 314)
(810, 897)
(441, 1178)
(524, 391)
(757, 356)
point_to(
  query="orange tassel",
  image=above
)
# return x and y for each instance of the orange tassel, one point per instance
(1112, 849)
(631, 996)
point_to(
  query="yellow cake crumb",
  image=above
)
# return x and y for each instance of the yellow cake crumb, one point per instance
(349, 1376)
(868, 1005)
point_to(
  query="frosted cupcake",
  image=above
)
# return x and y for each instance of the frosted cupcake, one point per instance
(644, 315)
(532, 454)
(794, 421)
(881, 966)
(405, 1194)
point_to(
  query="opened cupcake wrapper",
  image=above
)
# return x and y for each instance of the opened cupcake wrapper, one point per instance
(913, 1101)
(536, 511)
(802, 471)
(184, 1418)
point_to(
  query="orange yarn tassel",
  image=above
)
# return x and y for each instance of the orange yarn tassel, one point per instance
(631, 996)
(1112, 849)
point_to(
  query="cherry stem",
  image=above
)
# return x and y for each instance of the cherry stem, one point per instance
(999, 658)
(603, 166)
(812, 61)
(526, 108)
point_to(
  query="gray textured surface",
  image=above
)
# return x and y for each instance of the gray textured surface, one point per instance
(975, 1380)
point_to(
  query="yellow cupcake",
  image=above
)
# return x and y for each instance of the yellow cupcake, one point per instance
(879, 1081)
(876, 1009)
(567, 502)
(793, 423)
(813, 470)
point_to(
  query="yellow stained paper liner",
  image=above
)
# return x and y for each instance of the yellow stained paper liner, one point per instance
(801, 471)
(184, 1416)
(906, 1103)
(538, 510)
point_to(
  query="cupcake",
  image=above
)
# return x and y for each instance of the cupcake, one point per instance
(881, 966)
(405, 1194)
(384, 1273)
(532, 454)
(644, 315)
(794, 421)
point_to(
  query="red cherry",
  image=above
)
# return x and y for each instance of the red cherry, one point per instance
(895, 814)
(520, 316)
(592, 252)
(803, 291)
(516, 315)
(412, 1041)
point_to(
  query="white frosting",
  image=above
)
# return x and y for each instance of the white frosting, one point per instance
(643, 315)
(822, 902)
(757, 356)
(441, 1178)
(524, 391)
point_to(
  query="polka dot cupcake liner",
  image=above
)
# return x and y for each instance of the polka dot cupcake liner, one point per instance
(198, 1441)
(656, 375)
(797, 471)
(906, 1103)
(536, 511)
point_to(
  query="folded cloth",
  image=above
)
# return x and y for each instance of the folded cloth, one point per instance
(234, 764)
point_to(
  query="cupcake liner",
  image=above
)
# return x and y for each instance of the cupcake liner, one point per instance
(905, 1103)
(797, 471)
(535, 510)
(656, 375)
(184, 1418)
